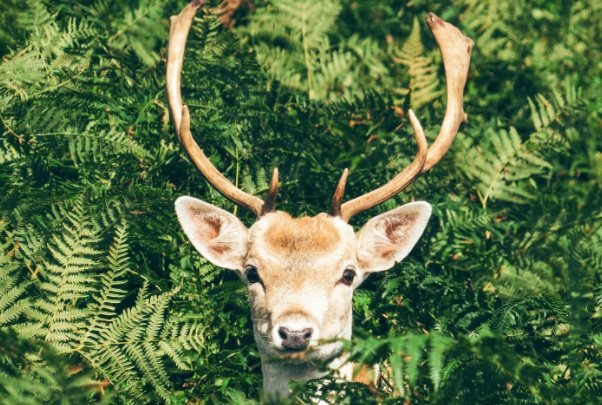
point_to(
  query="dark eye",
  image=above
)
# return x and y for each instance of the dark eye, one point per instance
(252, 275)
(348, 276)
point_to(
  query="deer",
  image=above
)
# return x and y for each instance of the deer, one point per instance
(301, 272)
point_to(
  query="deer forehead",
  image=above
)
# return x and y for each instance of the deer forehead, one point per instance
(301, 249)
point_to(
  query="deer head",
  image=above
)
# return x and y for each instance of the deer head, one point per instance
(301, 272)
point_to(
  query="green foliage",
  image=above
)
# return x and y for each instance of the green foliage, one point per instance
(298, 45)
(424, 87)
(71, 301)
(48, 377)
(103, 300)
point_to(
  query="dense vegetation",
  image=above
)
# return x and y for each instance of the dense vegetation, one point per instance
(102, 299)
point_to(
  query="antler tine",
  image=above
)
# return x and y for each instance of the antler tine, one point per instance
(455, 49)
(337, 198)
(178, 33)
(393, 187)
(180, 25)
(270, 200)
(213, 176)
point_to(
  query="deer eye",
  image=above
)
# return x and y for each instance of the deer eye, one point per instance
(348, 276)
(252, 275)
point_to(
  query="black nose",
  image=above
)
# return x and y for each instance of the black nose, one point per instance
(295, 339)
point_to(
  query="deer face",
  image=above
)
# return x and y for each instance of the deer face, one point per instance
(301, 275)
(301, 272)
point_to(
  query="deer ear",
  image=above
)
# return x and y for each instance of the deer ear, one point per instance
(218, 235)
(389, 237)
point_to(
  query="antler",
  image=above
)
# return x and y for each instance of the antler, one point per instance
(455, 49)
(180, 25)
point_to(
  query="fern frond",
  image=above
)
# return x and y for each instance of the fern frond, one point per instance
(37, 15)
(424, 85)
(502, 167)
(95, 149)
(494, 35)
(438, 345)
(7, 152)
(69, 275)
(12, 290)
(309, 20)
(111, 295)
(546, 111)
(18, 74)
(309, 62)
(130, 33)
(135, 342)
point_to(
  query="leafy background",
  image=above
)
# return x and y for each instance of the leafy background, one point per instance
(102, 299)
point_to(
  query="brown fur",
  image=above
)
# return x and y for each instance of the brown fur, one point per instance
(308, 234)
(364, 374)
(372, 377)
(293, 253)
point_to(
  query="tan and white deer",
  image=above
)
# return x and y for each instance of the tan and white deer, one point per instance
(301, 272)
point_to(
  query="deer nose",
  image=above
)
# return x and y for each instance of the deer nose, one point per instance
(295, 340)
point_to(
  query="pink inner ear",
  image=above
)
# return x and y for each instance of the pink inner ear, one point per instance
(211, 229)
(208, 230)
(387, 253)
(219, 250)
(396, 230)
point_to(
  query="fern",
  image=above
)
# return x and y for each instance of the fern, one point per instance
(68, 277)
(502, 169)
(17, 74)
(493, 35)
(310, 61)
(36, 16)
(505, 308)
(424, 86)
(46, 378)
(549, 113)
(439, 344)
(310, 22)
(515, 282)
(96, 148)
(111, 295)
(305, 26)
(129, 32)
(13, 300)
(78, 309)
